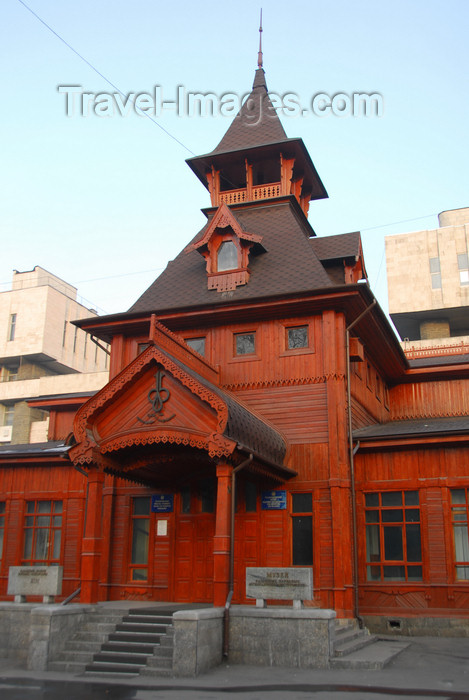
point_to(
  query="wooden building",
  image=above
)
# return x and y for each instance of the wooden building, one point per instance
(260, 411)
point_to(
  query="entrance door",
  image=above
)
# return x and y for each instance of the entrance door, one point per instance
(193, 555)
(193, 573)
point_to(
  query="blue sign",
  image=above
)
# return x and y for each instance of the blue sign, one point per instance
(274, 500)
(162, 503)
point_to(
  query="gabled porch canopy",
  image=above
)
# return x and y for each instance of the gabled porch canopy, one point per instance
(164, 419)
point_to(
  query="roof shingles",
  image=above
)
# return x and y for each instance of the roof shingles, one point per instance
(289, 265)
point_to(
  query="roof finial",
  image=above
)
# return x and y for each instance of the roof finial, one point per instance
(259, 55)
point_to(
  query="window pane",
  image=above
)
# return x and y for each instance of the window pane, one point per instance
(30, 507)
(414, 573)
(56, 548)
(44, 507)
(411, 498)
(393, 546)
(436, 281)
(28, 544)
(372, 516)
(1, 542)
(394, 573)
(462, 572)
(373, 550)
(372, 499)
(43, 521)
(460, 515)
(392, 516)
(414, 550)
(140, 535)
(41, 544)
(458, 496)
(227, 256)
(197, 344)
(302, 502)
(245, 343)
(412, 515)
(434, 265)
(373, 573)
(302, 550)
(141, 506)
(57, 506)
(139, 574)
(463, 261)
(392, 498)
(297, 337)
(461, 543)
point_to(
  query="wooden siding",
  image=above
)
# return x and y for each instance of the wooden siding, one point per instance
(19, 484)
(430, 399)
(300, 412)
(432, 472)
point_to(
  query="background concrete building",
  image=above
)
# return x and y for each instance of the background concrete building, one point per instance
(41, 352)
(428, 282)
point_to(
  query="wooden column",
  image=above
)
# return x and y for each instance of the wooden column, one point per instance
(221, 549)
(339, 468)
(106, 551)
(92, 538)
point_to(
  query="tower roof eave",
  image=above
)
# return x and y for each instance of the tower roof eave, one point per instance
(294, 147)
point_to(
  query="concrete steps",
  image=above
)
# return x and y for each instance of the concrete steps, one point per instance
(136, 642)
(356, 648)
(79, 650)
(161, 663)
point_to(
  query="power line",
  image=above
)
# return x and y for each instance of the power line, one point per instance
(104, 77)
(124, 274)
(394, 223)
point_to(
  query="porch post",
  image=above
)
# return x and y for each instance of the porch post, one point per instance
(221, 549)
(92, 538)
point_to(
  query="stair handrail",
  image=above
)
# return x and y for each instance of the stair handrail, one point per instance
(71, 597)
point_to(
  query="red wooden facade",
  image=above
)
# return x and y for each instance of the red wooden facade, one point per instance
(232, 371)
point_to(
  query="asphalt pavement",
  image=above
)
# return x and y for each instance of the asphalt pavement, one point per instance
(430, 667)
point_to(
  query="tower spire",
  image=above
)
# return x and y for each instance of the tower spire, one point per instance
(259, 55)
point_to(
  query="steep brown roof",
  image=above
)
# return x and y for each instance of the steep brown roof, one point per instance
(288, 266)
(256, 124)
(344, 245)
(245, 426)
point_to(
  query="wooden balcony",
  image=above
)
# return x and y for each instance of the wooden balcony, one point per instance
(258, 192)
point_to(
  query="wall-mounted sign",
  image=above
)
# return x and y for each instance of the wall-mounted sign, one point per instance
(162, 503)
(162, 528)
(274, 500)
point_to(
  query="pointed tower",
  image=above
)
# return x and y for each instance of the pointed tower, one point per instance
(255, 160)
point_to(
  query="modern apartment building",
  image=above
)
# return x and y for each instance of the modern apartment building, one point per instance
(428, 281)
(41, 352)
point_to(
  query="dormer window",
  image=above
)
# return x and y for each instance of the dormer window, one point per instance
(226, 248)
(227, 258)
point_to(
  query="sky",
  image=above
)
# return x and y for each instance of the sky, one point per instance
(105, 200)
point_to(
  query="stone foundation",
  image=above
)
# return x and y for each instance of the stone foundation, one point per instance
(198, 640)
(32, 634)
(281, 636)
(421, 626)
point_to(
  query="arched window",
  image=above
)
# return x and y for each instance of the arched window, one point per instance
(227, 258)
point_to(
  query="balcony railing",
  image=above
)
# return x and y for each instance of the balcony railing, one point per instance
(233, 196)
(413, 353)
(258, 192)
